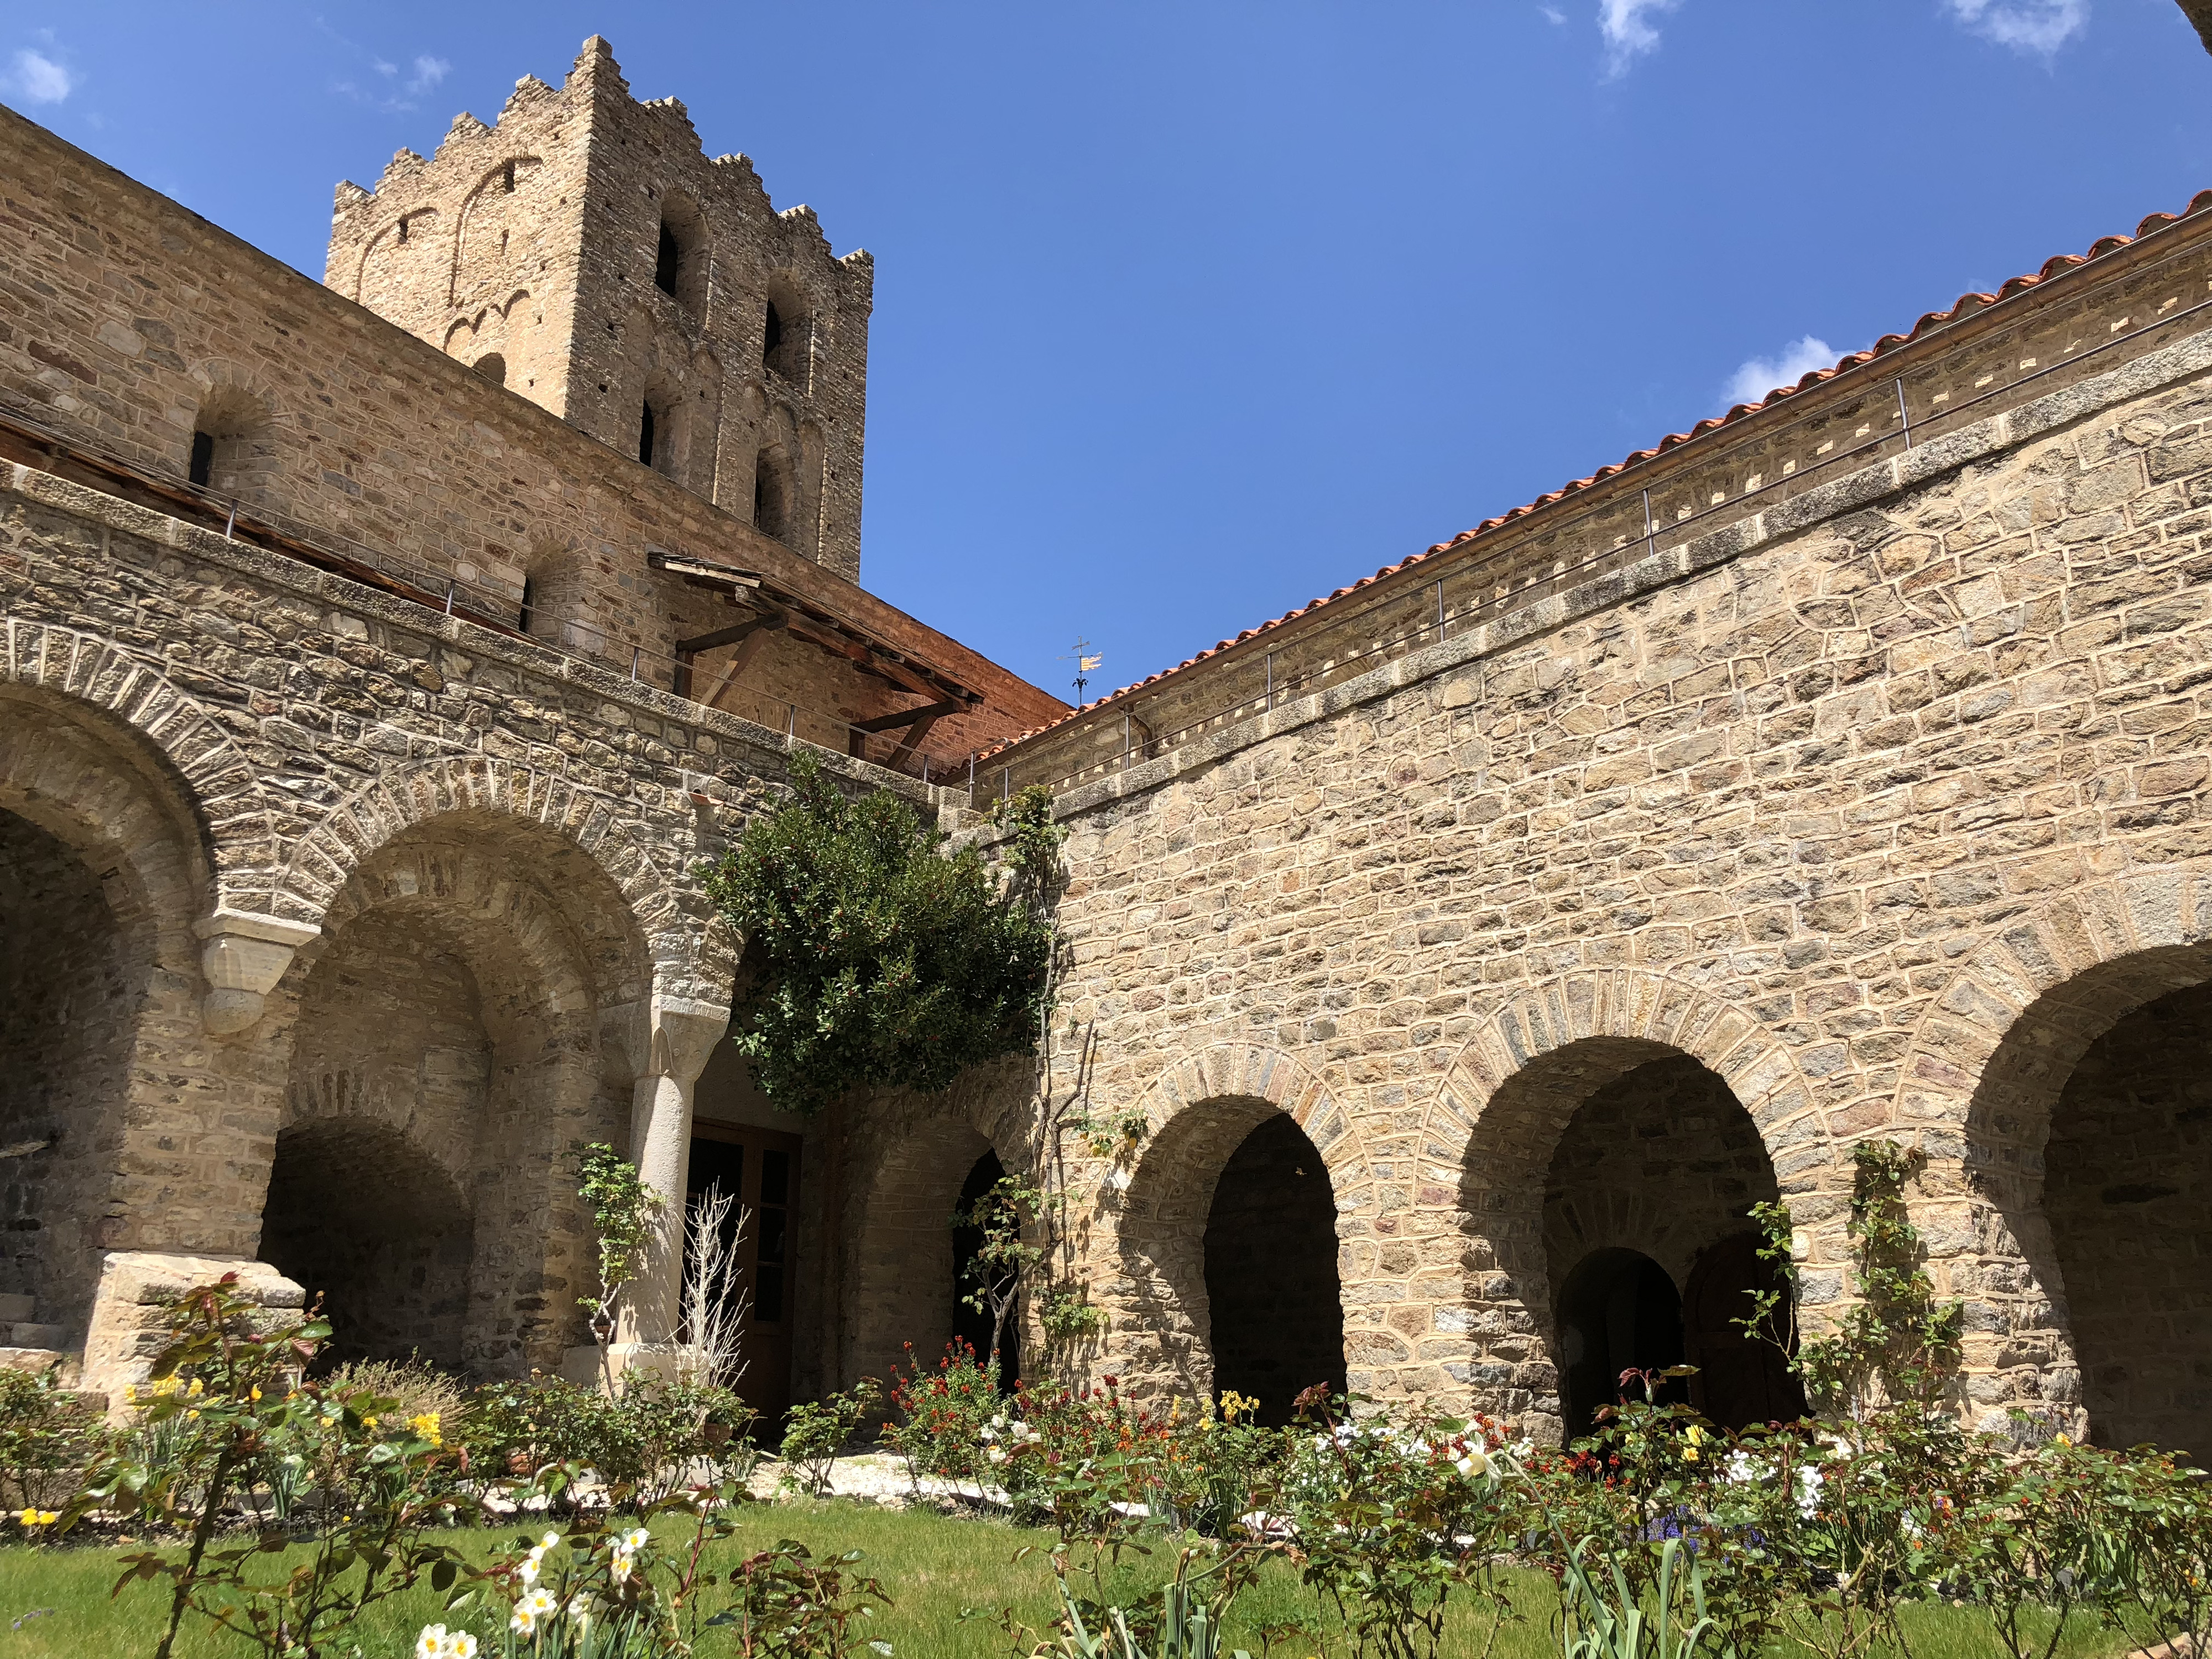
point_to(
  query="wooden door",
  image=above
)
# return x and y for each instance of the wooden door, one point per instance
(760, 1169)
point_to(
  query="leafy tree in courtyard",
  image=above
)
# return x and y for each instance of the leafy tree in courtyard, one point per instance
(876, 958)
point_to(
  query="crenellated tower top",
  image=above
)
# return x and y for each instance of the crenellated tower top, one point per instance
(585, 250)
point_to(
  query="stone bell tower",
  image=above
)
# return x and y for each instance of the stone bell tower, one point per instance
(585, 252)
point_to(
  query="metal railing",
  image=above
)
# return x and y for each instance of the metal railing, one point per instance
(447, 594)
(1913, 397)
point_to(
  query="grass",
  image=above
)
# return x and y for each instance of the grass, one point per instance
(933, 1565)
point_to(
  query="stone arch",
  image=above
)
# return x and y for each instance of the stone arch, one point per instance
(682, 252)
(1197, 1116)
(488, 216)
(103, 870)
(239, 428)
(1497, 1122)
(452, 1013)
(919, 1151)
(1998, 1073)
(391, 265)
(586, 844)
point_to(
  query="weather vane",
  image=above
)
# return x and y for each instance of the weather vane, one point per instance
(1085, 659)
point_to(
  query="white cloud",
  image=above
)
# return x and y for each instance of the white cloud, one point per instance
(1761, 375)
(2036, 26)
(1626, 26)
(428, 71)
(37, 79)
(1553, 13)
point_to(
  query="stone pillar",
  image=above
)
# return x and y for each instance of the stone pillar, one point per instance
(244, 953)
(668, 1040)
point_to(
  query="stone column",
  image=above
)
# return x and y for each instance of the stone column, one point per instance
(244, 953)
(668, 1040)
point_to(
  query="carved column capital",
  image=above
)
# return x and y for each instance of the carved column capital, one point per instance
(244, 953)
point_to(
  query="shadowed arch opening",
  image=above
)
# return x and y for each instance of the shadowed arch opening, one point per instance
(1270, 1276)
(360, 1218)
(1618, 1312)
(2091, 1129)
(1604, 1145)
(972, 1325)
(453, 1003)
(103, 868)
(908, 1262)
(1231, 1196)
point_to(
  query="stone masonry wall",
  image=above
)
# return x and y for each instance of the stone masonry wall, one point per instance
(124, 318)
(1838, 811)
(286, 754)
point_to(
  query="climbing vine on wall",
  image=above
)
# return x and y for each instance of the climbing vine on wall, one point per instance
(874, 956)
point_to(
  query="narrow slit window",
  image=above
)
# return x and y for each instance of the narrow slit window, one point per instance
(202, 463)
(667, 261)
(645, 435)
(771, 332)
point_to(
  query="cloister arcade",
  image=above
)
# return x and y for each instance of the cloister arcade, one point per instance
(390, 1131)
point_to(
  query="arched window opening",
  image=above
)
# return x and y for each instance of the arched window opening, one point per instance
(230, 447)
(972, 1325)
(507, 186)
(2128, 1190)
(529, 617)
(668, 261)
(1271, 1272)
(492, 368)
(784, 332)
(1618, 1312)
(648, 433)
(772, 495)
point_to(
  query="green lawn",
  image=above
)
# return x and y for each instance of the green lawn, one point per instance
(934, 1566)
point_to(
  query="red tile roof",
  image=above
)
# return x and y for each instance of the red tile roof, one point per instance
(1965, 305)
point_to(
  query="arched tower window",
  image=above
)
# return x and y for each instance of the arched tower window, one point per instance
(492, 368)
(668, 261)
(649, 434)
(679, 254)
(230, 445)
(785, 336)
(772, 513)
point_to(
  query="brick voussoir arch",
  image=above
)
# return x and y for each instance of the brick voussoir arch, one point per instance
(2024, 960)
(1244, 1071)
(1629, 1004)
(216, 783)
(319, 867)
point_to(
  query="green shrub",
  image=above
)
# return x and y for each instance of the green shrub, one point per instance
(815, 1431)
(875, 958)
(47, 1435)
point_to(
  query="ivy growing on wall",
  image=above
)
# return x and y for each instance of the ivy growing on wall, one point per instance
(873, 956)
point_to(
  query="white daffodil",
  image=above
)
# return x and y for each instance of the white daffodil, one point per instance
(431, 1644)
(525, 1621)
(461, 1645)
(1476, 1464)
(637, 1538)
(551, 1541)
(996, 1454)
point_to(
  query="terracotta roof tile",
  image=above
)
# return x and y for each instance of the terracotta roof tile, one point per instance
(1965, 305)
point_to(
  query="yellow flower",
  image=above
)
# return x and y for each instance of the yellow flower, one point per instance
(256, 1394)
(37, 1517)
(426, 1426)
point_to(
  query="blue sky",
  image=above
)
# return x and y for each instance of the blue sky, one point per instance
(1187, 312)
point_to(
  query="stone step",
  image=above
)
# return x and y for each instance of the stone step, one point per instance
(17, 1309)
(28, 1335)
(31, 1360)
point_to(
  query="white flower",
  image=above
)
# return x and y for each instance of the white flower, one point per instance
(528, 1571)
(620, 1567)
(1809, 1482)
(1741, 1468)
(431, 1644)
(524, 1622)
(997, 1454)
(579, 1609)
(539, 1602)
(551, 1541)
(636, 1537)
(1476, 1465)
(461, 1645)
